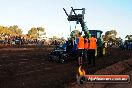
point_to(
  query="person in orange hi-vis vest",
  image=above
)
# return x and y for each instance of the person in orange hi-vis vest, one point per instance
(80, 48)
(92, 48)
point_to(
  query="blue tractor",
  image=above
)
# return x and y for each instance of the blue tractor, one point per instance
(128, 44)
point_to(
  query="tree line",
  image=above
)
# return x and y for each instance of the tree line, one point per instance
(14, 30)
(36, 32)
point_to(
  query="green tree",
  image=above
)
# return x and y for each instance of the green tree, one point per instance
(15, 30)
(4, 31)
(118, 40)
(54, 38)
(74, 33)
(34, 33)
(40, 29)
(110, 35)
(40, 32)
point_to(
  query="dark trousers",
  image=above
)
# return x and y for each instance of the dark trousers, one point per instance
(91, 56)
(85, 54)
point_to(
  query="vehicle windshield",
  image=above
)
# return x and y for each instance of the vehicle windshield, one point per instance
(98, 34)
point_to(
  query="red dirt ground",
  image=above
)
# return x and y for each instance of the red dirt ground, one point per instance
(27, 67)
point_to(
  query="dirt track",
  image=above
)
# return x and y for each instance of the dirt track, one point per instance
(28, 68)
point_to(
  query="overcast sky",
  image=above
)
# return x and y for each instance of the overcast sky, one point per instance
(100, 15)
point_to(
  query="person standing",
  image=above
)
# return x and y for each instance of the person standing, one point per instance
(80, 48)
(69, 46)
(74, 49)
(92, 49)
